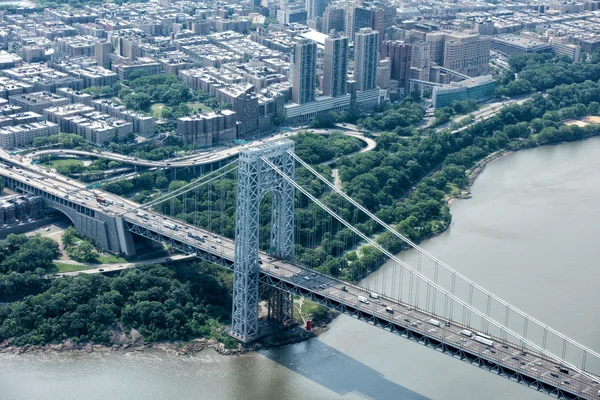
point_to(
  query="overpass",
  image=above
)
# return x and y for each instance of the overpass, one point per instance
(201, 159)
(204, 158)
(509, 354)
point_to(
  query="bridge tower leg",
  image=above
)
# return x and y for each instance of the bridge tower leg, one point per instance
(280, 306)
(255, 179)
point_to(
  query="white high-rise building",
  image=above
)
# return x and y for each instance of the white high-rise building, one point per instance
(366, 58)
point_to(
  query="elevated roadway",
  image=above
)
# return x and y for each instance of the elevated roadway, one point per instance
(204, 158)
(103, 268)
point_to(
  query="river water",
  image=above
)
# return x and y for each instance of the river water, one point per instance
(529, 234)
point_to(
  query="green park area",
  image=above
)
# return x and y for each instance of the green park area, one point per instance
(197, 107)
(190, 301)
(64, 163)
(156, 109)
(64, 267)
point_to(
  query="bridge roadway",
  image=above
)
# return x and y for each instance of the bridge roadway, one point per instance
(504, 358)
(203, 158)
(291, 277)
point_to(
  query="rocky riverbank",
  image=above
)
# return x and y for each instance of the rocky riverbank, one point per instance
(135, 343)
(473, 173)
(180, 348)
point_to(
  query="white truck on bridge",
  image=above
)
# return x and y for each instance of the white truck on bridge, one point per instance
(466, 333)
(483, 340)
(170, 226)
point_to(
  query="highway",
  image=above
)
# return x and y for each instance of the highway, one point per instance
(203, 158)
(485, 112)
(127, 265)
(509, 355)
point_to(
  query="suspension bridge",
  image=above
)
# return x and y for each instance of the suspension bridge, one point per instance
(276, 216)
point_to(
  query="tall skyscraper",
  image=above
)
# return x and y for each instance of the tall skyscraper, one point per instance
(102, 53)
(333, 18)
(467, 53)
(357, 17)
(349, 19)
(335, 64)
(378, 22)
(292, 11)
(366, 57)
(399, 54)
(420, 60)
(304, 71)
(436, 46)
(384, 73)
(316, 8)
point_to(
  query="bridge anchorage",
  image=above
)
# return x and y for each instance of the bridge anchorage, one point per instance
(255, 179)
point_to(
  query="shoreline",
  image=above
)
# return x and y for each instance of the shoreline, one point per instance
(472, 175)
(285, 336)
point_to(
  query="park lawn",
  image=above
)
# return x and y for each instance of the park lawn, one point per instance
(308, 306)
(55, 162)
(110, 259)
(156, 109)
(199, 107)
(297, 315)
(62, 267)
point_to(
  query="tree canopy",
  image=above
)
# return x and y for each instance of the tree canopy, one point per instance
(162, 304)
(160, 88)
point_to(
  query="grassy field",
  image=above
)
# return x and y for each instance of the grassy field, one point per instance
(199, 107)
(62, 267)
(156, 109)
(297, 315)
(55, 162)
(110, 259)
(308, 307)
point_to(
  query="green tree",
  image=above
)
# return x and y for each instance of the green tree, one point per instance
(69, 236)
(21, 254)
(137, 101)
(84, 251)
(166, 113)
(161, 182)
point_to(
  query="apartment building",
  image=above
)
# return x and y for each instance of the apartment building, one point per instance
(208, 129)
(23, 135)
(37, 102)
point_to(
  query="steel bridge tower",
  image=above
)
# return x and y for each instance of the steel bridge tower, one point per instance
(255, 179)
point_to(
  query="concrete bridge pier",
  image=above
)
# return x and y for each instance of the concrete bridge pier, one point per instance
(107, 231)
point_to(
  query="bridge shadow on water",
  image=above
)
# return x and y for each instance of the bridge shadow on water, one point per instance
(338, 372)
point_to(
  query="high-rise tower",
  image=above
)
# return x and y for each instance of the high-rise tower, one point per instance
(304, 71)
(366, 57)
(335, 74)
